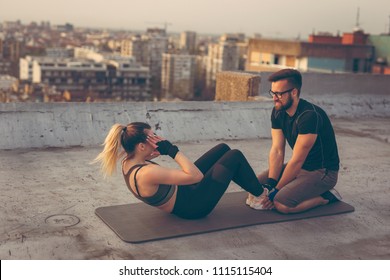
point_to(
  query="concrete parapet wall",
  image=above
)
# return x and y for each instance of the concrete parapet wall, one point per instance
(37, 125)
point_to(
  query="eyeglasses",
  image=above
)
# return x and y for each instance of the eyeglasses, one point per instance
(279, 94)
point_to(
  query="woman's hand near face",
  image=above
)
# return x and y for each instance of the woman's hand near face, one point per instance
(153, 139)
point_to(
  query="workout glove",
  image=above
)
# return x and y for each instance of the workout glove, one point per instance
(166, 148)
(272, 193)
(270, 184)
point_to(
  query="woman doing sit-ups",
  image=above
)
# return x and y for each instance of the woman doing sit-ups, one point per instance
(191, 191)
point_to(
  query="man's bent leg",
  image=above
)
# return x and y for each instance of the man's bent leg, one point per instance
(304, 192)
(303, 206)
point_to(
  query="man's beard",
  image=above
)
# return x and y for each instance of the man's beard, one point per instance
(286, 106)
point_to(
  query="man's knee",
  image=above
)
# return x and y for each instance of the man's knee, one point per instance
(287, 197)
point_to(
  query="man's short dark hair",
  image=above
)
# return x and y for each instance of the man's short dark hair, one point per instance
(293, 77)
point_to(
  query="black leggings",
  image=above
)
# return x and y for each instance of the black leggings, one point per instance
(220, 166)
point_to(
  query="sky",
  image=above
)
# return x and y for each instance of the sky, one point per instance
(271, 18)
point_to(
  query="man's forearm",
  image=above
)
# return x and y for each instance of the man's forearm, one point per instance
(276, 160)
(290, 173)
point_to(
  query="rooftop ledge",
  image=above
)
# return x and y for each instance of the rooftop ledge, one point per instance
(36, 125)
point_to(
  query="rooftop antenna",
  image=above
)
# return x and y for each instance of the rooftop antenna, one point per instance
(357, 17)
(389, 25)
(357, 25)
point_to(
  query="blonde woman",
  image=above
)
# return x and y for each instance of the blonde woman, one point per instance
(191, 191)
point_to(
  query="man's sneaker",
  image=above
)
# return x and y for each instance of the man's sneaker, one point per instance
(258, 200)
(332, 195)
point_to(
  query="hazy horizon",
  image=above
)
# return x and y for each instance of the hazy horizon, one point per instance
(287, 19)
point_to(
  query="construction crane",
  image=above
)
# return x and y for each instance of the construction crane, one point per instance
(164, 23)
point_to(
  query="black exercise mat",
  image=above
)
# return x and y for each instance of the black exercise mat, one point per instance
(139, 222)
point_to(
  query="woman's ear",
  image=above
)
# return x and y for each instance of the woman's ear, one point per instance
(141, 146)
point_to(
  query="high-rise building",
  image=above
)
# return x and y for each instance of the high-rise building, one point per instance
(222, 56)
(178, 76)
(148, 50)
(188, 41)
(11, 50)
(137, 47)
(157, 47)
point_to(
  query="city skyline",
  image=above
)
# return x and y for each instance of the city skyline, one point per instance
(290, 19)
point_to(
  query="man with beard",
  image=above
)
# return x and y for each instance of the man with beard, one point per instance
(309, 177)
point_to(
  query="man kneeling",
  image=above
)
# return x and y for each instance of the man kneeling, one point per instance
(309, 177)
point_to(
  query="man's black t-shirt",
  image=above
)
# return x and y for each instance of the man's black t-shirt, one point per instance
(310, 119)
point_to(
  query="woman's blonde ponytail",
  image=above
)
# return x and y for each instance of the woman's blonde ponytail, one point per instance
(112, 150)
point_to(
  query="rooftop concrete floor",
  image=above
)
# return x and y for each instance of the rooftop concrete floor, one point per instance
(36, 184)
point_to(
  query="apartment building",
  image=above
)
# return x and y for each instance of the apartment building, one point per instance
(222, 56)
(127, 79)
(178, 76)
(148, 50)
(322, 53)
(158, 45)
(137, 47)
(113, 78)
(188, 41)
(11, 49)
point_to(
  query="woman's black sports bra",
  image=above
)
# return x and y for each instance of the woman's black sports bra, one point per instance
(163, 194)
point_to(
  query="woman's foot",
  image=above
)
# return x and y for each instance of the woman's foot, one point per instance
(249, 199)
(255, 202)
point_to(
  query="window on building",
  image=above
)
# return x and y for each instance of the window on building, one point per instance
(355, 66)
(141, 81)
(276, 59)
(367, 65)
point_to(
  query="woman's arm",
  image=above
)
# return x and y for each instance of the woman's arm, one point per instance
(155, 175)
(188, 174)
